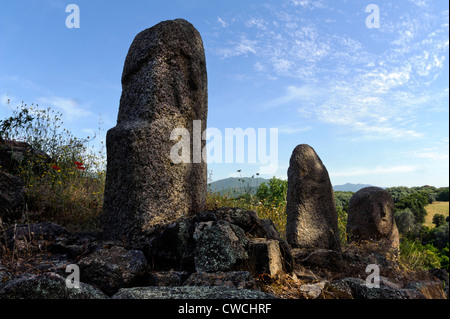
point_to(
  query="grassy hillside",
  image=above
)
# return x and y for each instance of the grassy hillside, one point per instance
(433, 209)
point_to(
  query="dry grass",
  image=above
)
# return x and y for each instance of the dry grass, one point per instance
(433, 209)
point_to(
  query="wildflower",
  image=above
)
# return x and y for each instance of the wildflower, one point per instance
(80, 166)
(56, 168)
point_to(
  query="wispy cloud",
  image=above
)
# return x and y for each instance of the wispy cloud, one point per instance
(339, 80)
(222, 22)
(241, 47)
(70, 107)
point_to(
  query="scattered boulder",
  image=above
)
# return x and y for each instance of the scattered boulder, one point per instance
(313, 291)
(371, 217)
(214, 241)
(190, 292)
(46, 286)
(220, 246)
(311, 212)
(164, 86)
(265, 257)
(172, 246)
(321, 258)
(355, 288)
(168, 278)
(14, 153)
(12, 197)
(235, 279)
(113, 268)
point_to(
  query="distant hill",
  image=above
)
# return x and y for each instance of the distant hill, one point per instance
(247, 184)
(237, 184)
(350, 187)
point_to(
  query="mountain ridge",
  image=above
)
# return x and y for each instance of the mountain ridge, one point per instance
(233, 183)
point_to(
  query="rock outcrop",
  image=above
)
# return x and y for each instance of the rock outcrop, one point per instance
(12, 197)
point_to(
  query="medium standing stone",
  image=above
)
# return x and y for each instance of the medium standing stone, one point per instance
(371, 216)
(164, 86)
(311, 211)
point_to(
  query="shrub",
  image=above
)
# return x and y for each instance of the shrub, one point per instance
(406, 224)
(69, 189)
(443, 194)
(416, 202)
(415, 256)
(438, 220)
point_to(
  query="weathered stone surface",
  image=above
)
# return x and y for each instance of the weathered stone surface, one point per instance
(235, 279)
(12, 197)
(220, 246)
(313, 291)
(168, 278)
(355, 288)
(311, 211)
(46, 286)
(172, 246)
(14, 154)
(371, 217)
(113, 268)
(323, 258)
(190, 292)
(164, 86)
(265, 257)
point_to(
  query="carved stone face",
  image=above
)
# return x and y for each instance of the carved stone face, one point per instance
(371, 214)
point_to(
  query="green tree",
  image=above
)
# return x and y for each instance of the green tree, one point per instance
(272, 193)
(416, 202)
(405, 221)
(438, 220)
(443, 195)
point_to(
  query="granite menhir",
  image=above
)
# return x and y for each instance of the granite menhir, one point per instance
(164, 87)
(312, 220)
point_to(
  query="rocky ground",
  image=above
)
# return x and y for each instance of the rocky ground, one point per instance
(227, 253)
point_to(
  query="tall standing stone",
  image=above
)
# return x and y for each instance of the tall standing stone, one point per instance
(311, 212)
(164, 86)
(371, 217)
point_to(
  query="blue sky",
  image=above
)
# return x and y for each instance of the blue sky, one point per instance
(372, 102)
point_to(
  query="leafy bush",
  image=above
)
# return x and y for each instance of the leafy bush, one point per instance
(415, 256)
(438, 220)
(443, 195)
(69, 189)
(416, 202)
(273, 193)
(406, 224)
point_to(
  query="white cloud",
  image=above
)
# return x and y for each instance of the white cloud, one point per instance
(341, 80)
(70, 107)
(309, 4)
(258, 23)
(242, 47)
(222, 22)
